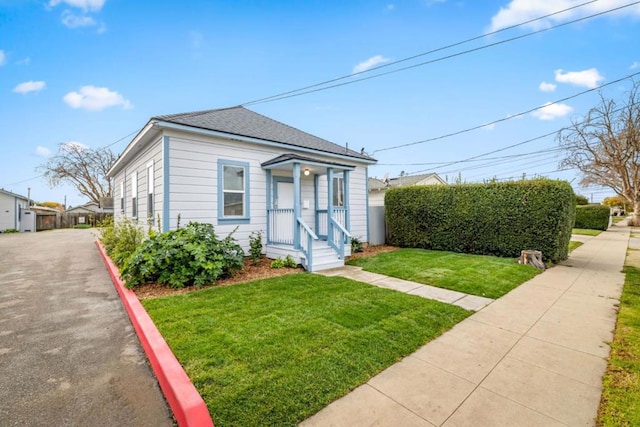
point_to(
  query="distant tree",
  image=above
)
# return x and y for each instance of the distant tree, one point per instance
(615, 201)
(605, 146)
(581, 200)
(83, 167)
(54, 205)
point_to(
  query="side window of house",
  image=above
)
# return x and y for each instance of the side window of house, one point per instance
(338, 191)
(122, 196)
(233, 190)
(150, 212)
(134, 194)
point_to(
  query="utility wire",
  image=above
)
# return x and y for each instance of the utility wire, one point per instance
(442, 58)
(389, 64)
(507, 118)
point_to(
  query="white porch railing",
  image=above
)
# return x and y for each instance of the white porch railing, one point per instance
(338, 237)
(307, 236)
(322, 224)
(281, 223)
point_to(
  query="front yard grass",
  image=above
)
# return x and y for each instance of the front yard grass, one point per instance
(585, 231)
(574, 244)
(620, 403)
(482, 275)
(276, 351)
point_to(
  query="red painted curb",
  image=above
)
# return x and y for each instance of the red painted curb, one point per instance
(183, 398)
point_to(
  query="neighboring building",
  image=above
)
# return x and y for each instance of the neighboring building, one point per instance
(46, 218)
(378, 187)
(235, 168)
(11, 207)
(89, 208)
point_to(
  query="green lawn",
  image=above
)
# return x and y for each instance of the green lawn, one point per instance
(574, 244)
(617, 219)
(276, 351)
(482, 275)
(620, 403)
(585, 231)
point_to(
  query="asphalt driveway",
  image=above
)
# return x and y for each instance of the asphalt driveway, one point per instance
(68, 353)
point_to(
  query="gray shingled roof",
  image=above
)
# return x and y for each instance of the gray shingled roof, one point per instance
(242, 122)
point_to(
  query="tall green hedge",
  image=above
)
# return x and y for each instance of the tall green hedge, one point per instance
(594, 217)
(493, 219)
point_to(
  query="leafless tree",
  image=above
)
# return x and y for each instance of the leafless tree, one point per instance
(605, 146)
(83, 167)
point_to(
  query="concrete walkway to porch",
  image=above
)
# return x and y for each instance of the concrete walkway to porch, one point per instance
(534, 357)
(469, 302)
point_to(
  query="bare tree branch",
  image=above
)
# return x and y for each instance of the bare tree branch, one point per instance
(605, 146)
(83, 167)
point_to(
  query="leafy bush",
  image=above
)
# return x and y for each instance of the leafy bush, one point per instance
(593, 217)
(581, 200)
(82, 226)
(192, 255)
(255, 246)
(491, 219)
(120, 240)
(356, 245)
(281, 263)
(9, 231)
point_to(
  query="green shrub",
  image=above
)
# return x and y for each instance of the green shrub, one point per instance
(192, 255)
(120, 240)
(255, 246)
(491, 219)
(9, 231)
(593, 217)
(288, 262)
(82, 226)
(356, 245)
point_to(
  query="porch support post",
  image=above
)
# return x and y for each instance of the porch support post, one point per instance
(269, 207)
(296, 205)
(316, 180)
(346, 201)
(329, 203)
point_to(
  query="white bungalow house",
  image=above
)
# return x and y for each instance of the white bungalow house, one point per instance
(378, 187)
(233, 167)
(12, 208)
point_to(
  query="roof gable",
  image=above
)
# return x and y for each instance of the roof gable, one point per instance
(243, 122)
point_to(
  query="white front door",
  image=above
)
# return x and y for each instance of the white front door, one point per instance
(285, 221)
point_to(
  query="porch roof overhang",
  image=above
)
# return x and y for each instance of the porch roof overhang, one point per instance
(286, 161)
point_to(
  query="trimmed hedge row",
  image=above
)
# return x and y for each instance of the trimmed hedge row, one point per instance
(594, 217)
(492, 219)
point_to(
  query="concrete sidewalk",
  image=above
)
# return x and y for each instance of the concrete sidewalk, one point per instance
(466, 301)
(535, 357)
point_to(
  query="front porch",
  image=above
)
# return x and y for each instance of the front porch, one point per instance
(308, 211)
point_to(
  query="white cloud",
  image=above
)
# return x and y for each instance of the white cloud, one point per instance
(490, 126)
(369, 63)
(391, 6)
(29, 86)
(95, 98)
(589, 78)
(552, 111)
(85, 5)
(71, 146)
(518, 11)
(42, 151)
(3, 58)
(71, 20)
(635, 65)
(24, 61)
(547, 87)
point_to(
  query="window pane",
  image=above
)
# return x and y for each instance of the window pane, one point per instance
(150, 205)
(233, 178)
(233, 204)
(338, 192)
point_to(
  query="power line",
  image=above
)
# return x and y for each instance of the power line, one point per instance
(506, 118)
(124, 137)
(301, 92)
(389, 64)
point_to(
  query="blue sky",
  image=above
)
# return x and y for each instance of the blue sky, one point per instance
(94, 71)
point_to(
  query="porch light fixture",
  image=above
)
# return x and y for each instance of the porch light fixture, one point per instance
(307, 172)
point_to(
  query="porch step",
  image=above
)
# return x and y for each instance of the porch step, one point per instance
(324, 257)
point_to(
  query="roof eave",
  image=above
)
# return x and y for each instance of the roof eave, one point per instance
(225, 135)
